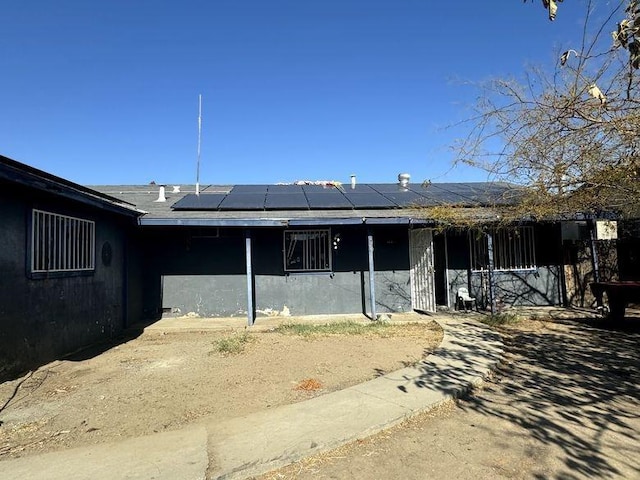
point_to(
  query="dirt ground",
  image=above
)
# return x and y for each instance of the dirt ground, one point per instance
(564, 405)
(163, 380)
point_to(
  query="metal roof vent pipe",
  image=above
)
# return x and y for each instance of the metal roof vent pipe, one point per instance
(161, 196)
(353, 181)
(403, 179)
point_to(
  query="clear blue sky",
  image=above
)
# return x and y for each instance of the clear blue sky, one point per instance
(107, 92)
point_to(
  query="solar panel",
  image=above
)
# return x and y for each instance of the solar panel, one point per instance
(408, 199)
(391, 187)
(286, 201)
(458, 193)
(204, 201)
(320, 188)
(369, 200)
(243, 201)
(363, 196)
(285, 189)
(250, 189)
(328, 200)
(495, 193)
(359, 188)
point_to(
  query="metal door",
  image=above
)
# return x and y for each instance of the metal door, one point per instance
(422, 274)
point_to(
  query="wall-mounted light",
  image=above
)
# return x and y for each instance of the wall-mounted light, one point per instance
(336, 241)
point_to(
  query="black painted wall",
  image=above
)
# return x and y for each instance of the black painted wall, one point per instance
(42, 319)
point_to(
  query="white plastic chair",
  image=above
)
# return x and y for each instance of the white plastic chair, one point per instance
(463, 299)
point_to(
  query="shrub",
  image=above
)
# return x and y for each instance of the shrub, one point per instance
(233, 344)
(499, 319)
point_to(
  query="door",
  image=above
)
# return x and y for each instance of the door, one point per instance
(421, 264)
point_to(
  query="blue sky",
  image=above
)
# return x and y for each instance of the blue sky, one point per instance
(107, 92)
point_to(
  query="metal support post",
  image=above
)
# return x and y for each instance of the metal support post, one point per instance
(372, 283)
(594, 251)
(492, 285)
(251, 312)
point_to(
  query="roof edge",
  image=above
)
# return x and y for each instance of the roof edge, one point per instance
(28, 176)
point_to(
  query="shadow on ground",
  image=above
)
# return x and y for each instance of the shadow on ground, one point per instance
(28, 366)
(575, 387)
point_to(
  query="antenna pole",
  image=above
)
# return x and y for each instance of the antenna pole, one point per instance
(199, 137)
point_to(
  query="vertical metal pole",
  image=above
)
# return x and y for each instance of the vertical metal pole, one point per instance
(594, 251)
(372, 283)
(125, 283)
(446, 270)
(492, 289)
(199, 137)
(251, 314)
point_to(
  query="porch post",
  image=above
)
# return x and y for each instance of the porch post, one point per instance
(372, 283)
(492, 289)
(594, 251)
(446, 271)
(251, 313)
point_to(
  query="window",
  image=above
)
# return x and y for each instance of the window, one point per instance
(307, 250)
(513, 249)
(61, 244)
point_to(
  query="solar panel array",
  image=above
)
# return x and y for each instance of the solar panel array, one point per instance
(364, 196)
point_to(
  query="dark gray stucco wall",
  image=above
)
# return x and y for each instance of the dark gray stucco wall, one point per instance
(208, 278)
(539, 287)
(44, 318)
(203, 271)
(344, 292)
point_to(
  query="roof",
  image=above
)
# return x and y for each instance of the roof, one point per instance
(18, 173)
(301, 204)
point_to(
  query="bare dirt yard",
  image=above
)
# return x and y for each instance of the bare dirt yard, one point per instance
(164, 379)
(565, 404)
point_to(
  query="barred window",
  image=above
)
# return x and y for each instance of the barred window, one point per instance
(307, 250)
(60, 243)
(513, 249)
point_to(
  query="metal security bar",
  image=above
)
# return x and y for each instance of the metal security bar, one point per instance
(513, 249)
(307, 250)
(60, 243)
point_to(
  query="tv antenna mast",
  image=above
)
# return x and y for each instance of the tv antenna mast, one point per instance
(199, 138)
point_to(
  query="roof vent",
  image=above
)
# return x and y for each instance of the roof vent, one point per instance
(176, 189)
(403, 179)
(353, 180)
(161, 197)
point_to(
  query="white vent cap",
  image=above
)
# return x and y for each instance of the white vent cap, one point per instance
(161, 195)
(403, 179)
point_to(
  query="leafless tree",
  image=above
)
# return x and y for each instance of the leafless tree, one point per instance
(569, 136)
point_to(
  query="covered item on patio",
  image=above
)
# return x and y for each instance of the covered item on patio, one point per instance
(463, 299)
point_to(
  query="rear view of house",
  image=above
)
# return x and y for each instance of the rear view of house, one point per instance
(325, 248)
(78, 265)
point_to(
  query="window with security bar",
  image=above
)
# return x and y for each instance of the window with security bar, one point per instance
(307, 250)
(513, 249)
(60, 243)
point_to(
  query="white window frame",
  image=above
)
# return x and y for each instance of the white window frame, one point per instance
(513, 250)
(61, 243)
(309, 250)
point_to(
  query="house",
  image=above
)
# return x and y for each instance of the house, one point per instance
(79, 264)
(312, 248)
(65, 274)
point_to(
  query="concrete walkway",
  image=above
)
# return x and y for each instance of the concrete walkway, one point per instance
(265, 440)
